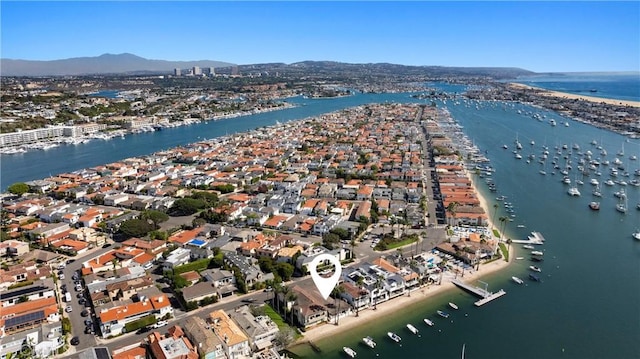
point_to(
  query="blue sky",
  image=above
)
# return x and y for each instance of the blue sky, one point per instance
(538, 36)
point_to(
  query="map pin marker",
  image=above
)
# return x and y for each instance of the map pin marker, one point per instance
(325, 285)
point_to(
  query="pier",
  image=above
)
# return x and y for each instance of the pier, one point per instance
(533, 238)
(484, 294)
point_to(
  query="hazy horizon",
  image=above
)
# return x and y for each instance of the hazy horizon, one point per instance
(542, 37)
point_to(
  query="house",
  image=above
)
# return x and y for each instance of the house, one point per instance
(113, 320)
(223, 280)
(13, 248)
(176, 258)
(175, 345)
(198, 292)
(209, 345)
(260, 330)
(39, 289)
(234, 341)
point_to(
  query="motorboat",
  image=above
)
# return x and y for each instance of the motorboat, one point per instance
(537, 253)
(528, 246)
(535, 269)
(534, 277)
(428, 322)
(573, 191)
(395, 337)
(453, 305)
(413, 329)
(537, 259)
(443, 314)
(369, 342)
(350, 352)
(594, 205)
(636, 234)
(517, 280)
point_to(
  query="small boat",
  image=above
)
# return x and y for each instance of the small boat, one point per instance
(350, 352)
(453, 305)
(528, 246)
(537, 253)
(573, 191)
(443, 314)
(395, 337)
(519, 258)
(594, 205)
(636, 235)
(369, 342)
(537, 259)
(413, 329)
(535, 269)
(517, 280)
(428, 322)
(534, 277)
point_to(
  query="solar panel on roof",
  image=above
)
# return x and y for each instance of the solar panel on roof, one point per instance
(19, 320)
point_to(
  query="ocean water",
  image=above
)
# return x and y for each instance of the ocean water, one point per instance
(617, 86)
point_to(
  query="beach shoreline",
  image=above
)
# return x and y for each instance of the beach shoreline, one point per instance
(570, 96)
(395, 305)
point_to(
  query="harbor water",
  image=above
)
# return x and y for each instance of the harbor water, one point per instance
(588, 303)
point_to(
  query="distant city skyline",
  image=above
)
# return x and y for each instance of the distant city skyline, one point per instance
(537, 36)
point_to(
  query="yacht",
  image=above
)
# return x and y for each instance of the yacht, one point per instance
(535, 269)
(622, 205)
(517, 280)
(594, 205)
(350, 352)
(453, 305)
(428, 322)
(537, 253)
(573, 191)
(534, 277)
(369, 342)
(594, 182)
(395, 337)
(636, 234)
(413, 329)
(609, 182)
(528, 246)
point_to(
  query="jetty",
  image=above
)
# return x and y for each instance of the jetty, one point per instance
(483, 293)
(533, 238)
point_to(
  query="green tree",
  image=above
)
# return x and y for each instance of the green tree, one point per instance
(285, 270)
(18, 188)
(136, 227)
(186, 206)
(156, 217)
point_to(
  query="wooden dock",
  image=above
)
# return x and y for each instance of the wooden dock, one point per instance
(484, 294)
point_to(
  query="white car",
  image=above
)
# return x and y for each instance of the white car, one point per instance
(68, 309)
(159, 324)
(61, 276)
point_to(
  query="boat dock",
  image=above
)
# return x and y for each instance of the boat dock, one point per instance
(533, 238)
(484, 294)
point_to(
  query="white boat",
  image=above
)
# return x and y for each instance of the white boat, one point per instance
(528, 246)
(517, 280)
(622, 205)
(636, 234)
(519, 258)
(350, 352)
(428, 322)
(537, 253)
(395, 337)
(594, 181)
(453, 305)
(369, 342)
(573, 191)
(535, 269)
(413, 329)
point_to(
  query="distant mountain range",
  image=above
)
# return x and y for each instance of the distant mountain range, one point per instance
(103, 64)
(129, 64)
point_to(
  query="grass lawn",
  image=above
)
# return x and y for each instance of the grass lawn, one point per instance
(505, 252)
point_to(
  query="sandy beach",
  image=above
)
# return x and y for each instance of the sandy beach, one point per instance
(570, 96)
(367, 316)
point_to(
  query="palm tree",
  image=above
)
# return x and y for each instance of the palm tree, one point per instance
(337, 292)
(495, 210)
(503, 221)
(451, 208)
(292, 297)
(353, 246)
(277, 289)
(285, 292)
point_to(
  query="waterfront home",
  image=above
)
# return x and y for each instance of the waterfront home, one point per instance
(45, 339)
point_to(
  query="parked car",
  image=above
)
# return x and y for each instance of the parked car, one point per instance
(88, 322)
(159, 324)
(70, 261)
(75, 341)
(143, 330)
(61, 276)
(84, 313)
(68, 309)
(106, 245)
